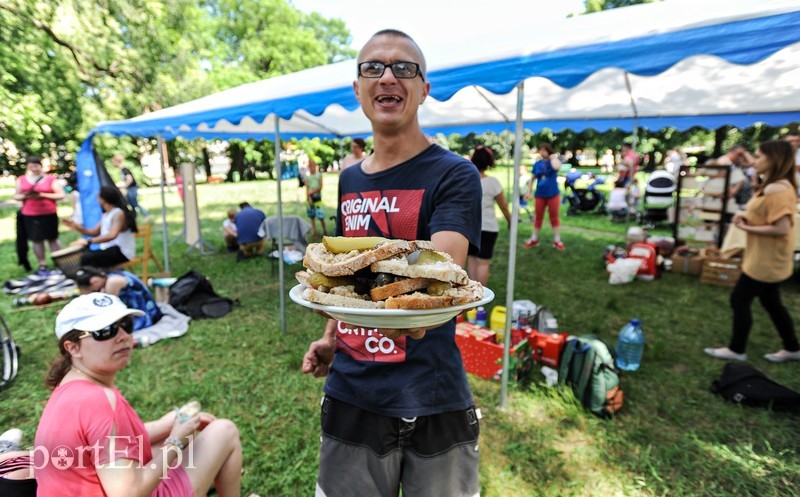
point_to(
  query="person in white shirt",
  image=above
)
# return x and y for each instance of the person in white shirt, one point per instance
(229, 231)
(478, 263)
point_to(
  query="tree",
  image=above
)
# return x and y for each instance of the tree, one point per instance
(598, 5)
(65, 65)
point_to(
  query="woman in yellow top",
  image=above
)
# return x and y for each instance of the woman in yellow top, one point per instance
(768, 258)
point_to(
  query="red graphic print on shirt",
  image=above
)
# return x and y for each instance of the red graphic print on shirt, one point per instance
(392, 214)
(369, 345)
(389, 213)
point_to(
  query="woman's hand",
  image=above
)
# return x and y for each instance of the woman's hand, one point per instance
(206, 418)
(740, 222)
(183, 431)
(70, 223)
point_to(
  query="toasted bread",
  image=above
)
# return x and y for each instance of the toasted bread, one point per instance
(418, 300)
(442, 271)
(471, 292)
(318, 258)
(398, 288)
(338, 300)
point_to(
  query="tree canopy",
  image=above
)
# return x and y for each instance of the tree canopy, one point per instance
(67, 64)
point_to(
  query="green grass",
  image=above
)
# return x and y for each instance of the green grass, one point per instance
(672, 438)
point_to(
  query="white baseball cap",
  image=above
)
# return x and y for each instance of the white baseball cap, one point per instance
(92, 312)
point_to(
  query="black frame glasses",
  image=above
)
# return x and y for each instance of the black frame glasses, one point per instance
(402, 69)
(110, 331)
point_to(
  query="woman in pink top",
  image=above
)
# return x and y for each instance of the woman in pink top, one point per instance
(39, 193)
(90, 442)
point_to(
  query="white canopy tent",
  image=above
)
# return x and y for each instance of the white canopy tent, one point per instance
(676, 63)
(683, 61)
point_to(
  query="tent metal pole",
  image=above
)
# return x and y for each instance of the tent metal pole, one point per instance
(164, 234)
(280, 224)
(512, 243)
(635, 143)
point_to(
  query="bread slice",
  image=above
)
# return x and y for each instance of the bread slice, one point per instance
(418, 300)
(318, 258)
(471, 292)
(398, 288)
(442, 271)
(339, 300)
(422, 245)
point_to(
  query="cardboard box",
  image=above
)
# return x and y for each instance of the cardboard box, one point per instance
(719, 271)
(687, 264)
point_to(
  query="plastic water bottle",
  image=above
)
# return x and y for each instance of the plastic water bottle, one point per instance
(480, 317)
(630, 346)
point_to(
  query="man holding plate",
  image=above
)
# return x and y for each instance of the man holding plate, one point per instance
(398, 412)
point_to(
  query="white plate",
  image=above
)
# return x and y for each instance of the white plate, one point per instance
(390, 318)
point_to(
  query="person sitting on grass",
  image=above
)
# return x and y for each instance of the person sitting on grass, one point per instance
(229, 231)
(16, 466)
(618, 200)
(93, 443)
(248, 221)
(114, 234)
(127, 286)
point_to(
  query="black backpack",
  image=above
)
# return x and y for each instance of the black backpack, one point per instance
(193, 295)
(744, 384)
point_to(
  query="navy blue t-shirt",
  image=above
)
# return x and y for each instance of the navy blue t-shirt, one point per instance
(434, 191)
(248, 220)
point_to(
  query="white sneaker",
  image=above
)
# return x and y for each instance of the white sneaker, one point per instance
(14, 435)
(724, 353)
(783, 356)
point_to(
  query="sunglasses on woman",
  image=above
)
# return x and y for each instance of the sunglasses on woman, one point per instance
(110, 331)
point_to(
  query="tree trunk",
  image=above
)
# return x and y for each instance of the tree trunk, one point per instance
(719, 138)
(237, 161)
(206, 163)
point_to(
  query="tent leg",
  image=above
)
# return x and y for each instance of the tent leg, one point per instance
(282, 286)
(512, 244)
(164, 234)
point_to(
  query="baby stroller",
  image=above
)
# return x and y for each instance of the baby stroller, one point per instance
(658, 197)
(582, 193)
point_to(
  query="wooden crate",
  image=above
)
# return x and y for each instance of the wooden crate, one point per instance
(719, 271)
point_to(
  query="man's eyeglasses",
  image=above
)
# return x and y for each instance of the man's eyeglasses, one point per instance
(110, 331)
(401, 69)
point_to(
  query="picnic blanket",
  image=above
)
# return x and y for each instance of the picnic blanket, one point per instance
(171, 325)
(54, 281)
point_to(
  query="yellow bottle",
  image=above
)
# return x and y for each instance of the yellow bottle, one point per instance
(498, 322)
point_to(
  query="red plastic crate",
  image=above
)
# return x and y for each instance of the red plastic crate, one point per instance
(483, 358)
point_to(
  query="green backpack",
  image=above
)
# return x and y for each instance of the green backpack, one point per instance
(587, 365)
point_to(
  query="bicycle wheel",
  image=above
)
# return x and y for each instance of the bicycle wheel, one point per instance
(8, 355)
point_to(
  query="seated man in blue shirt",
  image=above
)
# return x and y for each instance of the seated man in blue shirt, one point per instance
(248, 220)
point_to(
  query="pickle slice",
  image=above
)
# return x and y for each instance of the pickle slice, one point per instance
(429, 257)
(317, 280)
(343, 244)
(436, 288)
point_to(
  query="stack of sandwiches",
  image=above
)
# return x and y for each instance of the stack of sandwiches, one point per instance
(378, 273)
